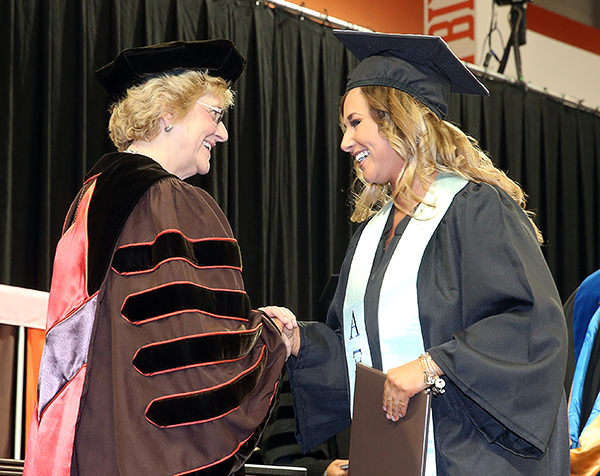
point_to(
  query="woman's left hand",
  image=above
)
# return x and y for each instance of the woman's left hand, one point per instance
(400, 385)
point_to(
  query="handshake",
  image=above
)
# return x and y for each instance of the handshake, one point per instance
(285, 320)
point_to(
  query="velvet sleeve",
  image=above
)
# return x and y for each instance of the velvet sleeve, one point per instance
(499, 333)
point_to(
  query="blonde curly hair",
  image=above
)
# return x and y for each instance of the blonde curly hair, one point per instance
(429, 145)
(137, 115)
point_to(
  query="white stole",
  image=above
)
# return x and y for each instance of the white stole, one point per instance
(398, 314)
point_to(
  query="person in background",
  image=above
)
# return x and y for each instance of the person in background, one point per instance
(154, 362)
(583, 313)
(443, 286)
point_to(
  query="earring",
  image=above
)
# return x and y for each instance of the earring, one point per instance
(168, 128)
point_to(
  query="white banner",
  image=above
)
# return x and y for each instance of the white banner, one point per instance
(23, 307)
(454, 21)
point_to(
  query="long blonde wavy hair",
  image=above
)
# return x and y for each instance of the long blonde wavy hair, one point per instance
(429, 145)
(137, 115)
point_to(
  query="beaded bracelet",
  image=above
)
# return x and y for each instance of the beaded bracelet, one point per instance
(430, 376)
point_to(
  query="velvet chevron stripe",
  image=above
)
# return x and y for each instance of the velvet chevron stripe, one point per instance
(179, 297)
(174, 245)
(222, 467)
(226, 465)
(192, 351)
(208, 404)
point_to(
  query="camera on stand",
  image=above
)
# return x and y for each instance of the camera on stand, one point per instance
(518, 27)
(510, 2)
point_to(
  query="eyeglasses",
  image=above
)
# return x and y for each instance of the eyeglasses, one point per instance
(215, 112)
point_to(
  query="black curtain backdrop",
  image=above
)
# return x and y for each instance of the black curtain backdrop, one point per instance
(281, 179)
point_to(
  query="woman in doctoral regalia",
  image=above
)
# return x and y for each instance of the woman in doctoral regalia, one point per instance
(443, 285)
(154, 362)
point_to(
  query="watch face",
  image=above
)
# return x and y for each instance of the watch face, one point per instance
(439, 385)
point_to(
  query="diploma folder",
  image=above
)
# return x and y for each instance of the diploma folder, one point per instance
(379, 446)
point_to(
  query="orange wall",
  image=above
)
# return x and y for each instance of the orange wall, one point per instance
(35, 346)
(563, 29)
(407, 16)
(388, 16)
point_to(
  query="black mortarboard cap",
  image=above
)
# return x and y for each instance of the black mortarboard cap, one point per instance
(420, 65)
(134, 66)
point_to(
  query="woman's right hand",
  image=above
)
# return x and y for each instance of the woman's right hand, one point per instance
(401, 384)
(287, 324)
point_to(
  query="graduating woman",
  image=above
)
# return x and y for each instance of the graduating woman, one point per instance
(154, 363)
(443, 285)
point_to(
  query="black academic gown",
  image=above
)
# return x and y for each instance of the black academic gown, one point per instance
(491, 318)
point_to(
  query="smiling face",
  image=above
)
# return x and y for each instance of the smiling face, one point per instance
(378, 161)
(193, 137)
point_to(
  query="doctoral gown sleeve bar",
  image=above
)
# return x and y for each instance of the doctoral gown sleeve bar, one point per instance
(499, 329)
